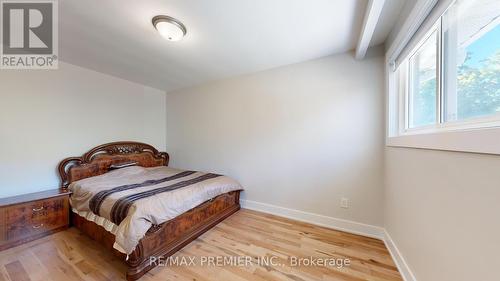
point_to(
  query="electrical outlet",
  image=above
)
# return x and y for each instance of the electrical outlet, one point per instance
(344, 203)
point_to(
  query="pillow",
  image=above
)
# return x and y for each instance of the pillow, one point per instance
(122, 165)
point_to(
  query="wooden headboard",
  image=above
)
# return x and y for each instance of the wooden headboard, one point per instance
(98, 160)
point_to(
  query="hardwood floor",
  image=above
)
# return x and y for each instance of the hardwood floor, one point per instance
(69, 255)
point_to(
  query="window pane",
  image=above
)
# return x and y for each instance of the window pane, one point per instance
(423, 86)
(471, 34)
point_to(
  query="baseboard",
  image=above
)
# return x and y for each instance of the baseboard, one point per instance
(316, 219)
(338, 224)
(398, 258)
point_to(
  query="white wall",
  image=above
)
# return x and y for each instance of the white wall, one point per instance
(46, 116)
(442, 210)
(300, 136)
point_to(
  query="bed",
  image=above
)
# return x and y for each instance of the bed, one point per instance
(160, 240)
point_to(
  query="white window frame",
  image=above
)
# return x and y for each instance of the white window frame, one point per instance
(478, 135)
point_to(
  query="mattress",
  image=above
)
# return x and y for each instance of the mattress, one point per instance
(128, 201)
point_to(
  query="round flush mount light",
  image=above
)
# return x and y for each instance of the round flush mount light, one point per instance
(170, 28)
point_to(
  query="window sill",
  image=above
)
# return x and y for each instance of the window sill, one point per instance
(484, 140)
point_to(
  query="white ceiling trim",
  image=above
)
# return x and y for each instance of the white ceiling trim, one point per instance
(372, 15)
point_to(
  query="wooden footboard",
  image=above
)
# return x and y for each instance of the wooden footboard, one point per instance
(165, 239)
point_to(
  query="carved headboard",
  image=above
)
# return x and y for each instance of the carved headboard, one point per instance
(98, 160)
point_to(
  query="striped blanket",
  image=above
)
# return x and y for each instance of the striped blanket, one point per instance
(135, 198)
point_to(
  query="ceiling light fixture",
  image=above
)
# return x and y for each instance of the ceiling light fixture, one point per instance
(170, 28)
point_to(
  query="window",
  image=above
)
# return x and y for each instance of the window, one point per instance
(451, 79)
(423, 90)
(471, 34)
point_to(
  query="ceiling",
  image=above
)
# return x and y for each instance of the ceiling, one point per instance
(224, 38)
(388, 17)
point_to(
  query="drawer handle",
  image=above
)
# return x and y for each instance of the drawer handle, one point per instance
(37, 209)
(38, 226)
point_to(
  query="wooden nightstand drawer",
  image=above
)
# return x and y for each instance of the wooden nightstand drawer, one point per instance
(35, 227)
(28, 212)
(22, 221)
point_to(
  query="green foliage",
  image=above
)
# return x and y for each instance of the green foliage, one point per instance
(479, 88)
(424, 103)
(478, 92)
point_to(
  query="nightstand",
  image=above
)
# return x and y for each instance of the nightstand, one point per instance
(31, 216)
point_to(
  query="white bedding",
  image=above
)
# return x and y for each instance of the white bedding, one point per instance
(132, 199)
